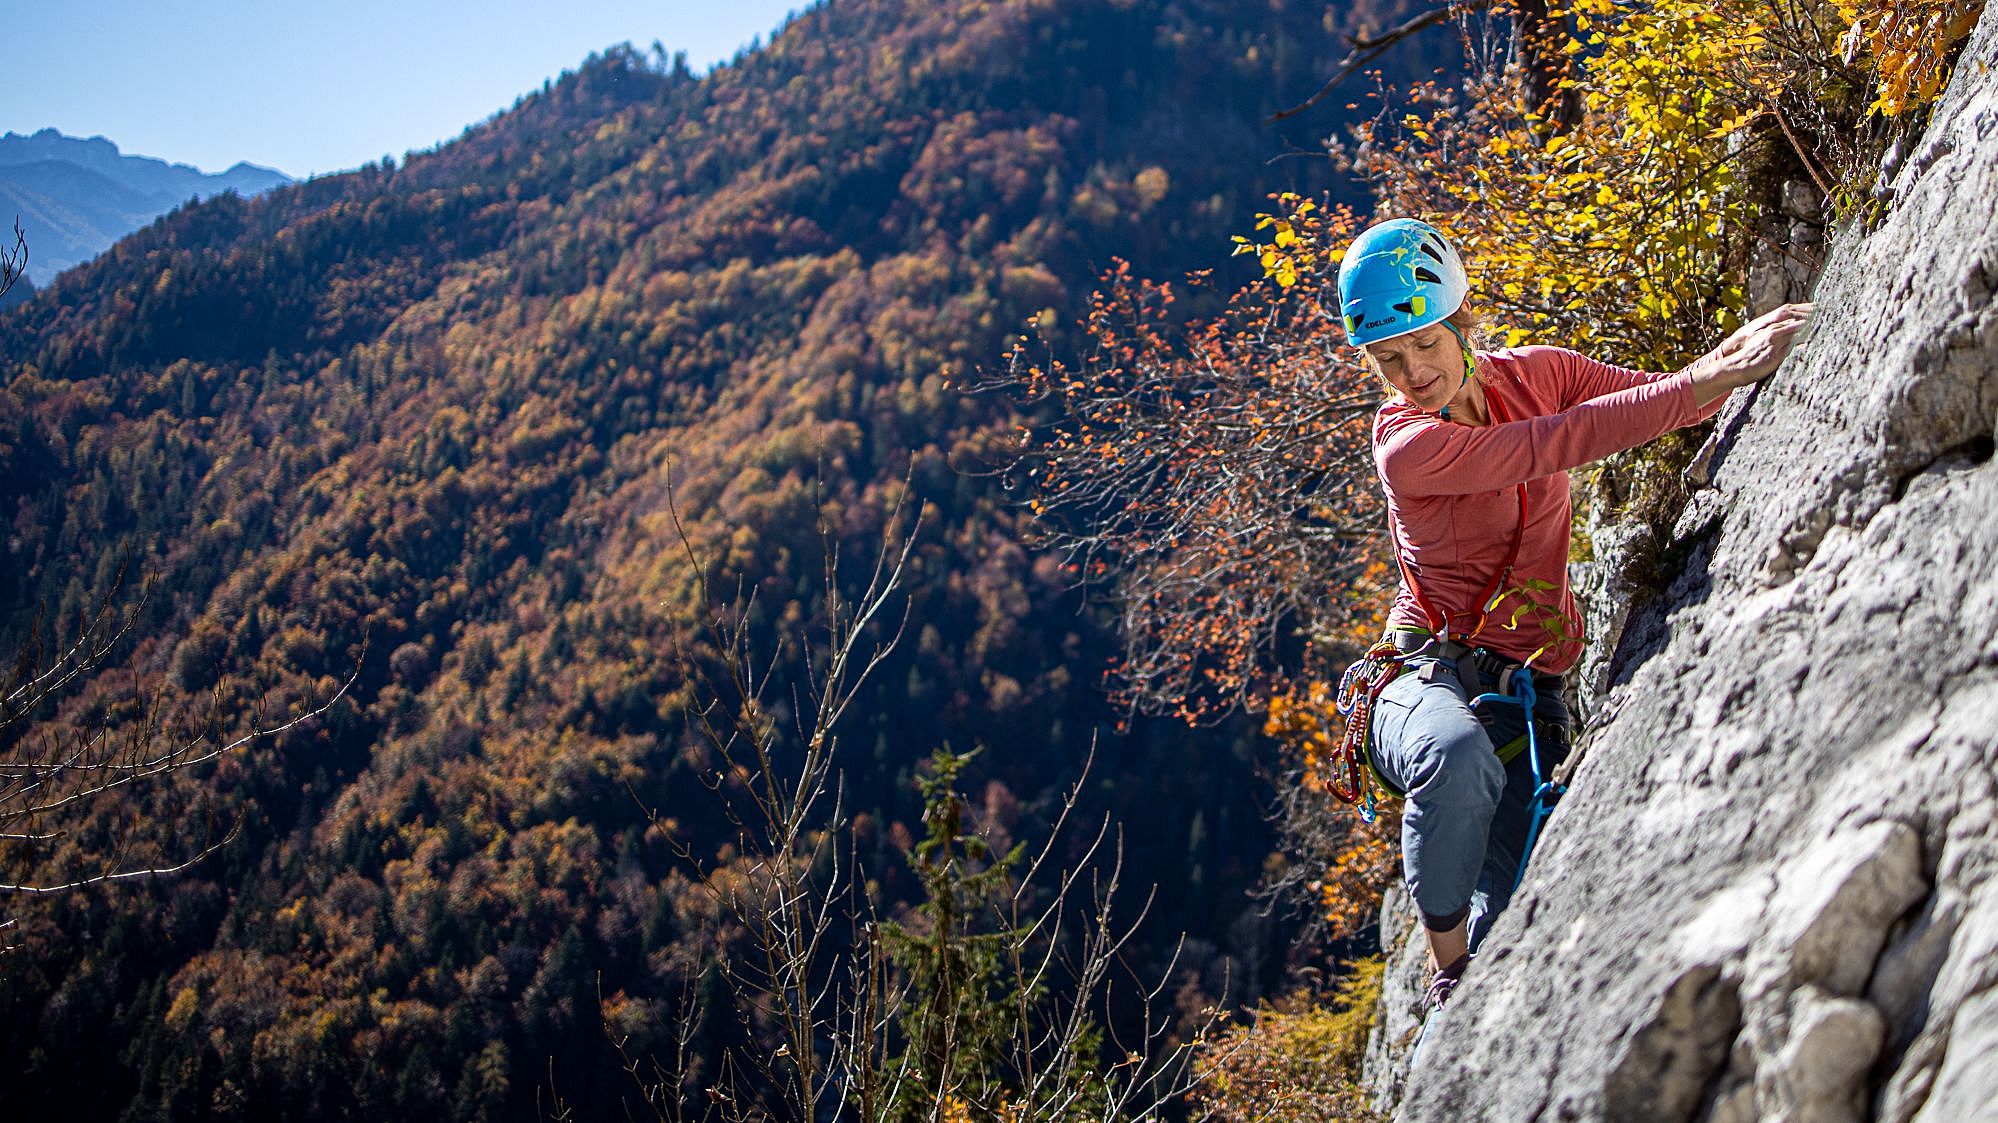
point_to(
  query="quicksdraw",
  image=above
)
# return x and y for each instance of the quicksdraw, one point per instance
(1351, 779)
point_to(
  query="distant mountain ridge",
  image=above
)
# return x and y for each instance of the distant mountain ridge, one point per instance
(75, 197)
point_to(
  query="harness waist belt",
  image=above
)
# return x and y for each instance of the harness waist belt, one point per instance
(1479, 669)
(1406, 640)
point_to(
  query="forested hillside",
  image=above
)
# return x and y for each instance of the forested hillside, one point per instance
(421, 425)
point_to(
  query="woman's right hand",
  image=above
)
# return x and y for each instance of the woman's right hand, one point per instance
(1750, 355)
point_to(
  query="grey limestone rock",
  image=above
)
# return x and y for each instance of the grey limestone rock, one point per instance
(1772, 893)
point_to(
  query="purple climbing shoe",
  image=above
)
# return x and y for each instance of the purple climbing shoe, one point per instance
(1445, 981)
(1440, 987)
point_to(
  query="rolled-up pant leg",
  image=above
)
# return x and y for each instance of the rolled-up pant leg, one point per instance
(1427, 743)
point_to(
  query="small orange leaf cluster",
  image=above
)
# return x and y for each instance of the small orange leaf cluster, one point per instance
(1362, 858)
(1305, 719)
(1911, 44)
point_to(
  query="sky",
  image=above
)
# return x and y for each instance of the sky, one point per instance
(308, 86)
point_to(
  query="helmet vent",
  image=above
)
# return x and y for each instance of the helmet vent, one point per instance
(1423, 274)
(1431, 251)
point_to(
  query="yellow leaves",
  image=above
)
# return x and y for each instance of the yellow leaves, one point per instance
(1623, 233)
(1279, 266)
(1732, 124)
(1607, 235)
(1296, 1061)
(1911, 42)
(1295, 246)
(186, 1004)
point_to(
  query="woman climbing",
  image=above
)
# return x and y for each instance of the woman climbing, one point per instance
(1473, 450)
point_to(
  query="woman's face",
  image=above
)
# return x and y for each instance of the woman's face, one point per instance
(1426, 366)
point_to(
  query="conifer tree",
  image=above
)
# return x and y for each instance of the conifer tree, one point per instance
(964, 1008)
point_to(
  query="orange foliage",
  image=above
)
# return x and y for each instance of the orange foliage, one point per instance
(1214, 474)
(1360, 859)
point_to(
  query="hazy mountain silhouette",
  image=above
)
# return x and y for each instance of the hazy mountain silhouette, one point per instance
(74, 197)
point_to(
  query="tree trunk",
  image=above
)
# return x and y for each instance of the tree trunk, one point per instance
(1539, 39)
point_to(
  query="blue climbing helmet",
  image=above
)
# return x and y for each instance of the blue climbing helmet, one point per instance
(1398, 276)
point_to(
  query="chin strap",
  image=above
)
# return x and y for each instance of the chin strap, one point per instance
(1470, 364)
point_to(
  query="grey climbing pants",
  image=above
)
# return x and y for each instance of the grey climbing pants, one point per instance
(1465, 821)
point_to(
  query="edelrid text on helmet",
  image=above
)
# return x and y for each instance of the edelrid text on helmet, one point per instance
(1399, 276)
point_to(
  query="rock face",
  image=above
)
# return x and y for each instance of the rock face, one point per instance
(1772, 893)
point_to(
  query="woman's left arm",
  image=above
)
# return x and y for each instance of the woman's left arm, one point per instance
(1749, 355)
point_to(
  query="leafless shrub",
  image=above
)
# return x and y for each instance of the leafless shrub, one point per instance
(820, 983)
(14, 260)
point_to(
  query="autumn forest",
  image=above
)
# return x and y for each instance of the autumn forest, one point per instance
(459, 496)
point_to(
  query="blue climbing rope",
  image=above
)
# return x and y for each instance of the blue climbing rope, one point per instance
(1546, 793)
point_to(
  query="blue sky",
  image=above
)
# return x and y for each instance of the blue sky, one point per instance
(307, 86)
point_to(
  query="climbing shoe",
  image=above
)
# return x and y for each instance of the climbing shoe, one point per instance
(1445, 981)
(1440, 987)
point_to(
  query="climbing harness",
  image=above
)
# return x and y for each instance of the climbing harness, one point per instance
(1361, 684)
(1546, 792)
(1353, 778)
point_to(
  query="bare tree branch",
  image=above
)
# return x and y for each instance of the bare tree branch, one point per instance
(820, 984)
(1367, 48)
(1539, 54)
(55, 769)
(1214, 478)
(14, 262)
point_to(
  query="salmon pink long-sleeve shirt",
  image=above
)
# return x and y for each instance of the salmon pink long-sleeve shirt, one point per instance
(1453, 503)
